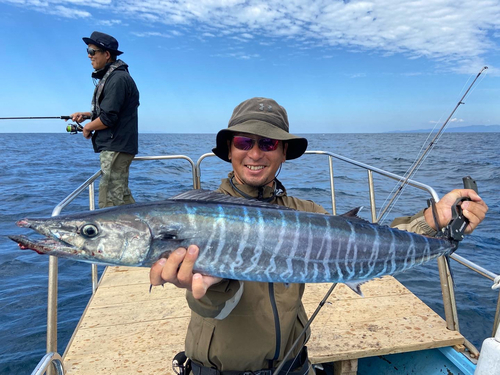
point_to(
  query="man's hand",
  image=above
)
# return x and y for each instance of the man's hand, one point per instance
(178, 270)
(87, 133)
(474, 210)
(80, 116)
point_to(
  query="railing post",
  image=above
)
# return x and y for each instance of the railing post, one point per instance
(372, 196)
(449, 303)
(52, 309)
(497, 317)
(94, 272)
(332, 186)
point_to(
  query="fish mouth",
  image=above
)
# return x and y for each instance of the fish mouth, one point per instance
(42, 246)
(47, 245)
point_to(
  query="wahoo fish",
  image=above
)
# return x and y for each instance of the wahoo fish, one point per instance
(238, 239)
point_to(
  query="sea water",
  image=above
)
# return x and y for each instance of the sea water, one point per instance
(40, 170)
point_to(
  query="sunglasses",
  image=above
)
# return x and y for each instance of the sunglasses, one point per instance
(245, 143)
(92, 51)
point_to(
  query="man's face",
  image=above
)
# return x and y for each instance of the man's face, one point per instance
(256, 167)
(100, 58)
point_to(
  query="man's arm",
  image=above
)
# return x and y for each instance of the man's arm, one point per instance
(423, 222)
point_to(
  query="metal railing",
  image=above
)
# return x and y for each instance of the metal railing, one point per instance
(53, 261)
(451, 314)
(45, 363)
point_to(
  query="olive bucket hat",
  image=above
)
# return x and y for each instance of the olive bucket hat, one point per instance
(265, 118)
(105, 41)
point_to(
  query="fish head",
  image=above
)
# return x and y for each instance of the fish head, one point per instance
(98, 238)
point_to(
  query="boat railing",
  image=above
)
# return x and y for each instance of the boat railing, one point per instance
(45, 363)
(53, 261)
(451, 314)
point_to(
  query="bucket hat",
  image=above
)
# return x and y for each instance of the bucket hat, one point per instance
(263, 117)
(105, 41)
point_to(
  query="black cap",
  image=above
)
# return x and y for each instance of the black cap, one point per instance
(105, 41)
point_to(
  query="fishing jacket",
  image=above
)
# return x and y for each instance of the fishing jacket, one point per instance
(115, 102)
(243, 325)
(248, 326)
(415, 224)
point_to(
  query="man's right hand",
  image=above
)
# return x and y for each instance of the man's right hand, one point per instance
(80, 116)
(178, 270)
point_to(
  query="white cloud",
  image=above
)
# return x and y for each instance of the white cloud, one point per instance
(451, 120)
(109, 23)
(455, 33)
(152, 33)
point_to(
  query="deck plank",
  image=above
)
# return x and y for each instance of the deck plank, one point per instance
(127, 330)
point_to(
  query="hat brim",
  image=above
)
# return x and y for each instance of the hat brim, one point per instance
(88, 41)
(296, 145)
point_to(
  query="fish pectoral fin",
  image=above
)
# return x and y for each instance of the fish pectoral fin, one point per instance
(168, 233)
(168, 237)
(355, 287)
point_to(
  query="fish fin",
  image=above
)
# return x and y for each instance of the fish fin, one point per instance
(200, 195)
(353, 215)
(355, 287)
(168, 233)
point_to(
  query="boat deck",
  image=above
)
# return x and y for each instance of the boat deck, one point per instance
(127, 330)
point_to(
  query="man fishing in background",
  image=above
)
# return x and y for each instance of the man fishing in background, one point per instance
(114, 119)
(236, 326)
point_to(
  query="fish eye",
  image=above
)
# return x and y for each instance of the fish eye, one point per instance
(89, 230)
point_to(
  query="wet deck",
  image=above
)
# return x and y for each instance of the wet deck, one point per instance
(127, 330)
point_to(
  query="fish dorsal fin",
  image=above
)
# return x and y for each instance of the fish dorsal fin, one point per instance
(353, 215)
(200, 195)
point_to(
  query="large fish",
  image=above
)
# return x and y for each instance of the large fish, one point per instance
(238, 239)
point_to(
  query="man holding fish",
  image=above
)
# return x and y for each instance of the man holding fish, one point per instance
(244, 326)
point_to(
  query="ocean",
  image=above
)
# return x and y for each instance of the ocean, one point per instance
(40, 170)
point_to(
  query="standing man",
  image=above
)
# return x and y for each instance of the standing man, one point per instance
(114, 120)
(243, 327)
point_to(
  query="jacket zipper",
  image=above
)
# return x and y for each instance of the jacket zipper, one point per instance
(276, 321)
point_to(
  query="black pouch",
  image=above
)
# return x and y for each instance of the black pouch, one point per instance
(181, 364)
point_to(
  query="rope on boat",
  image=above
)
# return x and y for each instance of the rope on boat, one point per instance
(496, 283)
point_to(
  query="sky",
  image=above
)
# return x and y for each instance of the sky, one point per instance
(336, 66)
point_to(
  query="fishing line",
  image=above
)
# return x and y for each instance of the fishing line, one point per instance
(420, 152)
(386, 209)
(306, 327)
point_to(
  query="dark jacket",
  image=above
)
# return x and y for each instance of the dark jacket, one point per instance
(118, 104)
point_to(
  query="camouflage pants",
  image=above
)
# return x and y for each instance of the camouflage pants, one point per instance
(113, 188)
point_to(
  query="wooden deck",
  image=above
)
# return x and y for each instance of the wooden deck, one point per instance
(127, 330)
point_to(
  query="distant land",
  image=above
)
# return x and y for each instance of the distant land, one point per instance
(457, 129)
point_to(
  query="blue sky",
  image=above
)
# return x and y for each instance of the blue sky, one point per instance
(336, 66)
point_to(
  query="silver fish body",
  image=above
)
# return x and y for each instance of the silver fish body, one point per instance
(238, 239)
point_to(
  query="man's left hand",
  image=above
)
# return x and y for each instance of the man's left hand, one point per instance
(474, 210)
(87, 133)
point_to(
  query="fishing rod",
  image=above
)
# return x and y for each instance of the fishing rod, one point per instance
(417, 163)
(457, 225)
(71, 128)
(304, 330)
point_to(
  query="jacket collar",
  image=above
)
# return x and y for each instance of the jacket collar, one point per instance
(266, 193)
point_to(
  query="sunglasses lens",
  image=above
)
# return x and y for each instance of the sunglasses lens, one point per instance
(90, 51)
(243, 143)
(268, 144)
